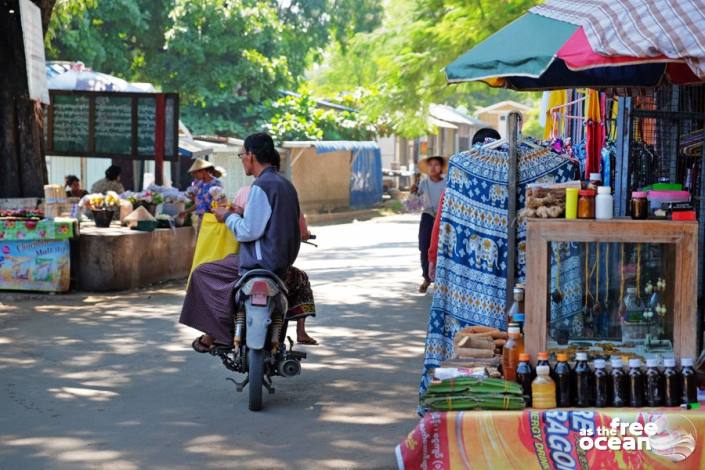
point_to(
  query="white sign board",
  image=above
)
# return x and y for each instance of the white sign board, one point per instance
(33, 39)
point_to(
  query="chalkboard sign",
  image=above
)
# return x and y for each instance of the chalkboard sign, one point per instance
(146, 120)
(113, 125)
(71, 123)
(110, 124)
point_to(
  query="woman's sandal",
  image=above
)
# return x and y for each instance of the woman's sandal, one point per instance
(308, 340)
(199, 346)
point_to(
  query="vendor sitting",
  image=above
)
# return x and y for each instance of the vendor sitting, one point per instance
(111, 182)
(73, 187)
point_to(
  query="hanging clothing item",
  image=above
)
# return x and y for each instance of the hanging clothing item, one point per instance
(471, 267)
(555, 98)
(594, 132)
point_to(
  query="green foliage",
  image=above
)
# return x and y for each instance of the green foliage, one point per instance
(226, 58)
(402, 63)
(301, 118)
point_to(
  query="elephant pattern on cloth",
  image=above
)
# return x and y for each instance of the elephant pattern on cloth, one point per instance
(471, 269)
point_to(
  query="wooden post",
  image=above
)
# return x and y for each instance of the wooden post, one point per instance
(512, 188)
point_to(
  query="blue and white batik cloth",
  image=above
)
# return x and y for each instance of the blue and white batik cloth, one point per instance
(471, 269)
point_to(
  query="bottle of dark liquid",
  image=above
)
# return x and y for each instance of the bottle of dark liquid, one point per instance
(563, 381)
(602, 386)
(654, 384)
(689, 386)
(525, 375)
(583, 381)
(619, 384)
(671, 383)
(636, 384)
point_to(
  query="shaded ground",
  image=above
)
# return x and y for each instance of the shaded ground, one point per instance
(93, 381)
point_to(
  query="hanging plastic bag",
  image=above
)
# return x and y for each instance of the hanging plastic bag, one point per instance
(215, 241)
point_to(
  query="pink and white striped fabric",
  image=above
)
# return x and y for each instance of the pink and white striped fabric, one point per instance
(638, 28)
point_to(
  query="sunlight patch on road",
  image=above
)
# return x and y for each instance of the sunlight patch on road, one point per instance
(215, 446)
(69, 449)
(72, 393)
(361, 413)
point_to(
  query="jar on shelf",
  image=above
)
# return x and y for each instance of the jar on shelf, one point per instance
(639, 206)
(586, 204)
(595, 180)
(604, 203)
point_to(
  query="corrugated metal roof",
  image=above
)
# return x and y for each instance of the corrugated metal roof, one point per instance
(449, 114)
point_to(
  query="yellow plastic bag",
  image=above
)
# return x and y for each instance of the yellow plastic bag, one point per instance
(215, 242)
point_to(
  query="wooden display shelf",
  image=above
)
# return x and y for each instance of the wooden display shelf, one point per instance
(684, 235)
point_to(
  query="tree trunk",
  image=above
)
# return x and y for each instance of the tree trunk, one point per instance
(23, 171)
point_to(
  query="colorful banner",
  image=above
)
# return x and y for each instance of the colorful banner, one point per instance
(560, 439)
(36, 229)
(42, 265)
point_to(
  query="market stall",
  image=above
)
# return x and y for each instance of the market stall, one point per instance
(605, 302)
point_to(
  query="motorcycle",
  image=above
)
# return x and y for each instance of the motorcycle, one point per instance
(259, 348)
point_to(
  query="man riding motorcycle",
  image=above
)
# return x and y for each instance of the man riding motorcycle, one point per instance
(269, 236)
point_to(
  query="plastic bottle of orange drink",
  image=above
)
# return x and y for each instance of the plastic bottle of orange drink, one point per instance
(510, 354)
(543, 389)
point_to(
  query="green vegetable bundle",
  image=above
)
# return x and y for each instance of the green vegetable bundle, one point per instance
(472, 393)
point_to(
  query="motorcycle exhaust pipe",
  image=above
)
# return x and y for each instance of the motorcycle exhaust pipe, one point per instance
(289, 367)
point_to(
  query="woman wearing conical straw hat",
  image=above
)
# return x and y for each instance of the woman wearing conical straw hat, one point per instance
(205, 176)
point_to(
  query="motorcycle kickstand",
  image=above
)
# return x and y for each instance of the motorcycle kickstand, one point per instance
(239, 386)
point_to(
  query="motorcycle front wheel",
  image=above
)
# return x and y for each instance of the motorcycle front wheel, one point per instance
(255, 359)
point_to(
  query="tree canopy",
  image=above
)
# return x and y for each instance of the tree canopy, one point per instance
(402, 62)
(226, 58)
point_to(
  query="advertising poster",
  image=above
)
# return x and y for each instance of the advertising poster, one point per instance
(41, 265)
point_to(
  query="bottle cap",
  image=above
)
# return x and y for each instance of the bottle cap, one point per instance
(514, 330)
(595, 177)
(518, 293)
(519, 317)
(542, 356)
(543, 370)
(686, 362)
(599, 363)
(617, 363)
(604, 190)
(635, 363)
(581, 356)
(631, 290)
(524, 357)
(562, 357)
(586, 192)
(669, 362)
(638, 195)
(652, 362)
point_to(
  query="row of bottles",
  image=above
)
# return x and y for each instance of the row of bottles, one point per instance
(582, 387)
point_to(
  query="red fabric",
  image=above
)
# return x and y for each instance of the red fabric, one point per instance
(578, 55)
(594, 137)
(433, 249)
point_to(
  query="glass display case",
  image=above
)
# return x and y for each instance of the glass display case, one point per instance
(616, 287)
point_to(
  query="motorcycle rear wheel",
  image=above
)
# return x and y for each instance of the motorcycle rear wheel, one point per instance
(255, 359)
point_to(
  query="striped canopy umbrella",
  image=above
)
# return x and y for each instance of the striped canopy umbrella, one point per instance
(537, 52)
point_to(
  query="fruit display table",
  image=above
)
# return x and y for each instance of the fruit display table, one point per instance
(551, 439)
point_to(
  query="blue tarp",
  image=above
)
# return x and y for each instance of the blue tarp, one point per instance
(366, 178)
